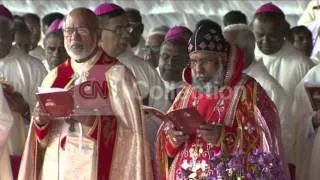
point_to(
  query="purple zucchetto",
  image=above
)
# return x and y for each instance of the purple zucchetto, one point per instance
(107, 8)
(178, 34)
(4, 12)
(55, 26)
(269, 8)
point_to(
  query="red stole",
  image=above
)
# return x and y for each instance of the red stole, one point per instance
(104, 131)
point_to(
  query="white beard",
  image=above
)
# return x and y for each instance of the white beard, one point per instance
(82, 55)
(212, 85)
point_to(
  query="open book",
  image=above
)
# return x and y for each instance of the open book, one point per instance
(57, 102)
(82, 99)
(313, 91)
(187, 120)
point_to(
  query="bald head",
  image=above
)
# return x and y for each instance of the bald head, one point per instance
(85, 16)
(81, 34)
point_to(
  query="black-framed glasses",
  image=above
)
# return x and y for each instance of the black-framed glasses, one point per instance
(83, 31)
(119, 30)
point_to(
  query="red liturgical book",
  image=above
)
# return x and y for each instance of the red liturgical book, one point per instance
(82, 99)
(313, 91)
(57, 102)
(187, 120)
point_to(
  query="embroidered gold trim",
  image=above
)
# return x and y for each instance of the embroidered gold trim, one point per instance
(234, 101)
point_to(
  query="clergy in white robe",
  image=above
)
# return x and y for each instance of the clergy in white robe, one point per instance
(24, 72)
(308, 137)
(242, 36)
(6, 123)
(17, 68)
(287, 65)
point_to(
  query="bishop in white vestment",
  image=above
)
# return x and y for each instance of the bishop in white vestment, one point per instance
(287, 65)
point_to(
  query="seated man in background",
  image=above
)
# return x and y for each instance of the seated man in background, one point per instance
(54, 46)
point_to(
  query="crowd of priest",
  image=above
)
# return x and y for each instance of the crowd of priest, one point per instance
(94, 100)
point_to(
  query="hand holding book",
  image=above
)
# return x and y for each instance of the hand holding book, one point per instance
(81, 100)
(186, 120)
(40, 116)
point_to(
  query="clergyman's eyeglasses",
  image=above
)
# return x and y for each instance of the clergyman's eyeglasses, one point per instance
(82, 31)
(119, 30)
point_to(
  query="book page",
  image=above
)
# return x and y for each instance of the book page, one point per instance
(49, 90)
(156, 112)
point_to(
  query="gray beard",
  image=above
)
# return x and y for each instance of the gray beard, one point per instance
(211, 84)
